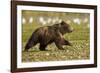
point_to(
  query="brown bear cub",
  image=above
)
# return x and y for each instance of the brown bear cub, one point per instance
(49, 34)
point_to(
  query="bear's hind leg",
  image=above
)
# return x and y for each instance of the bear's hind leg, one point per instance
(42, 47)
(29, 45)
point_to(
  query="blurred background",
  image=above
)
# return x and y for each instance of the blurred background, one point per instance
(49, 18)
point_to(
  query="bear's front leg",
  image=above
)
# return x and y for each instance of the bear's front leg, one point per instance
(65, 42)
(59, 45)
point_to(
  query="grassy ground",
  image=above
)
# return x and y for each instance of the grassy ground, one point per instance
(79, 39)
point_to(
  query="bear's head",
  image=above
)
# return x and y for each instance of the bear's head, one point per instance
(65, 28)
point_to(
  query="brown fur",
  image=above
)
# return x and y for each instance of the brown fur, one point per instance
(49, 34)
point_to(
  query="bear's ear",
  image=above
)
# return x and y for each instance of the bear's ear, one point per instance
(62, 22)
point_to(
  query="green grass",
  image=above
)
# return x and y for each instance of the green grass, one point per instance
(78, 51)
